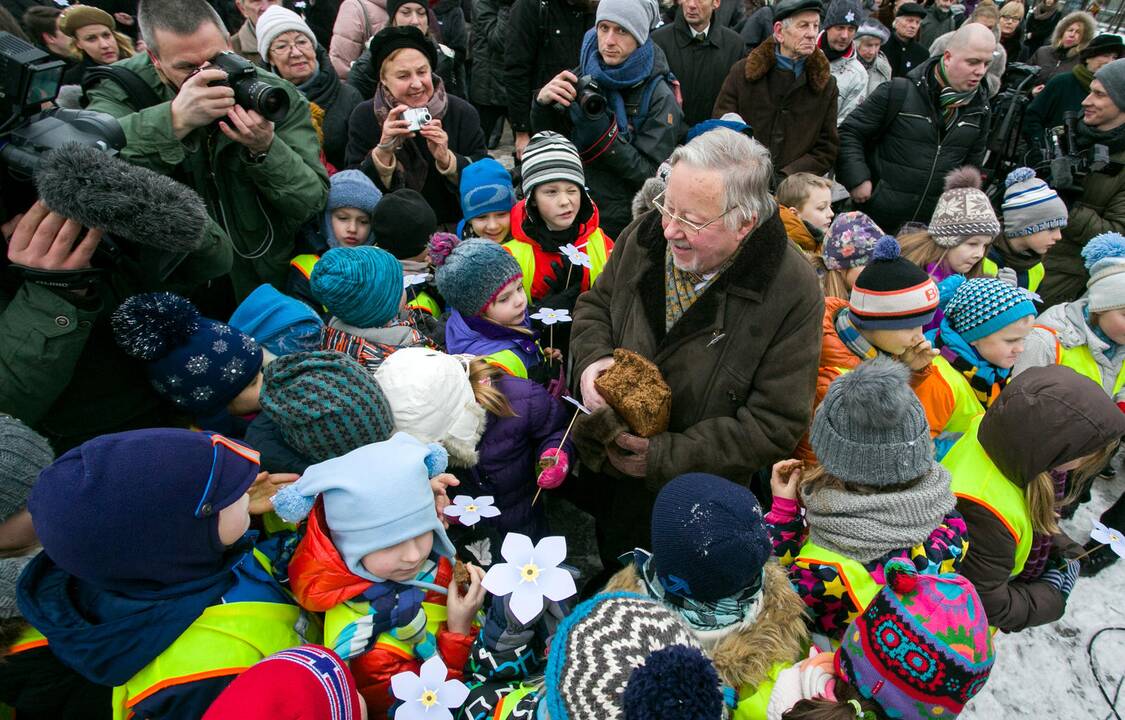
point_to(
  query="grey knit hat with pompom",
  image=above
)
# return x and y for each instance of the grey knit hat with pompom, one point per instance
(963, 210)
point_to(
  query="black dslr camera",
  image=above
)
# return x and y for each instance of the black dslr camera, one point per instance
(251, 93)
(588, 96)
(1069, 163)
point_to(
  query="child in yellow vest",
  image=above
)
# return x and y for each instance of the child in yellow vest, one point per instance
(487, 198)
(1034, 216)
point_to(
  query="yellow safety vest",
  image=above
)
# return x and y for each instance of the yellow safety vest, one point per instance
(29, 639)
(966, 406)
(425, 302)
(339, 617)
(524, 254)
(1081, 360)
(305, 263)
(858, 583)
(1034, 274)
(753, 701)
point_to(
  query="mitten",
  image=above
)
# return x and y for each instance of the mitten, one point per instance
(592, 135)
(1009, 276)
(553, 475)
(1062, 576)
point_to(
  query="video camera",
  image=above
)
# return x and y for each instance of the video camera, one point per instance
(1069, 163)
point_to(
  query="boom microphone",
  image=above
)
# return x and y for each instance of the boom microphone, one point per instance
(132, 203)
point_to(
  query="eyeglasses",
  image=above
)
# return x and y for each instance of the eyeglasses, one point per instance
(301, 43)
(689, 227)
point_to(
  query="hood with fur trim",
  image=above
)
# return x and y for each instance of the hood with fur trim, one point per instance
(1088, 33)
(764, 58)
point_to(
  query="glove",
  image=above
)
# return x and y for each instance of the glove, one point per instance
(1062, 576)
(1009, 276)
(560, 296)
(552, 475)
(592, 135)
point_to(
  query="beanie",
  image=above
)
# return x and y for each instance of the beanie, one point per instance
(1030, 205)
(432, 398)
(138, 511)
(366, 513)
(486, 187)
(981, 306)
(922, 648)
(390, 39)
(76, 17)
(850, 240)
(275, 21)
(362, 285)
(730, 121)
(962, 210)
(325, 404)
(23, 455)
(394, 5)
(1105, 261)
(1112, 77)
(200, 365)
(708, 541)
(873, 28)
(280, 323)
(638, 17)
(350, 188)
(871, 429)
(844, 12)
(549, 157)
(892, 293)
(473, 274)
(403, 223)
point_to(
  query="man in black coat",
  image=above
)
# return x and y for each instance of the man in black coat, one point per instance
(903, 49)
(700, 53)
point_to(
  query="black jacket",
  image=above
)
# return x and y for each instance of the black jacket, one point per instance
(362, 75)
(758, 27)
(39, 687)
(700, 66)
(490, 43)
(904, 57)
(544, 38)
(337, 100)
(908, 163)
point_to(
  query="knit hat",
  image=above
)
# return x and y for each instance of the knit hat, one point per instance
(844, 12)
(871, 429)
(350, 188)
(473, 274)
(619, 655)
(981, 306)
(708, 541)
(638, 17)
(873, 28)
(922, 648)
(788, 8)
(367, 512)
(730, 121)
(850, 240)
(325, 404)
(139, 510)
(389, 39)
(432, 399)
(1030, 205)
(1112, 77)
(549, 157)
(360, 285)
(76, 17)
(200, 365)
(486, 187)
(1105, 261)
(23, 455)
(892, 293)
(394, 5)
(403, 223)
(280, 323)
(962, 210)
(275, 21)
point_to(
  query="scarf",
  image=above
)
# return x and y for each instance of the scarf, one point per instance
(868, 527)
(1042, 543)
(794, 66)
(1084, 76)
(830, 52)
(683, 288)
(412, 155)
(741, 609)
(1111, 346)
(1113, 139)
(613, 80)
(1044, 11)
(951, 100)
(984, 378)
(321, 88)
(851, 337)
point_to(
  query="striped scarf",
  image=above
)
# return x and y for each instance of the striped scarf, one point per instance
(682, 289)
(849, 335)
(984, 378)
(951, 100)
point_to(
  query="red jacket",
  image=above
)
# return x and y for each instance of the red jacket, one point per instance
(544, 259)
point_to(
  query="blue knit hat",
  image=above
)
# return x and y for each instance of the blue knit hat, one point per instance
(708, 541)
(1105, 261)
(367, 512)
(139, 510)
(362, 285)
(981, 306)
(486, 187)
(350, 189)
(280, 323)
(1030, 205)
(200, 365)
(473, 274)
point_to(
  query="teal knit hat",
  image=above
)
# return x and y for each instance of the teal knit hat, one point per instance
(473, 274)
(982, 306)
(362, 285)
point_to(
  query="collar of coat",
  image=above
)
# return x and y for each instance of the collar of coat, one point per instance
(762, 60)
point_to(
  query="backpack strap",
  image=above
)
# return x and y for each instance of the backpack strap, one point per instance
(367, 33)
(138, 92)
(897, 98)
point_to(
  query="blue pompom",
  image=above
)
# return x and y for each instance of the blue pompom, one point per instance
(1106, 245)
(1018, 175)
(947, 288)
(675, 683)
(437, 460)
(148, 326)
(291, 505)
(886, 248)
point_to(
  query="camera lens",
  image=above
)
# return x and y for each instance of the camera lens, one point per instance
(593, 104)
(268, 101)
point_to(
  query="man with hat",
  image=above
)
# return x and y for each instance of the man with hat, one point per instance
(785, 91)
(869, 40)
(836, 42)
(903, 49)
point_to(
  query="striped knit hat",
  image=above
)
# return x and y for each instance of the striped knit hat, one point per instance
(550, 157)
(1030, 205)
(981, 306)
(892, 293)
(360, 285)
(963, 210)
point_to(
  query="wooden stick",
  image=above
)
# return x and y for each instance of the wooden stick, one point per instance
(537, 492)
(558, 450)
(1099, 547)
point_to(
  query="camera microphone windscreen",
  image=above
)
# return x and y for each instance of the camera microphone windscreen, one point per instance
(132, 203)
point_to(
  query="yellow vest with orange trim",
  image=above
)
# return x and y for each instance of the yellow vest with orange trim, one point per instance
(1081, 360)
(29, 639)
(305, 264)
(524, 254)
(966, 405)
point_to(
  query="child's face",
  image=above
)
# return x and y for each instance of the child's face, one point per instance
(401, 562)
(1003, 347)
(510, 305)
(962, 258)
(351, 226)
(492, 226)
(1040, 242)
(249, 400)
(234, 520)
(894, 342)
(817, 208)
(558, 203)
(1112, 323)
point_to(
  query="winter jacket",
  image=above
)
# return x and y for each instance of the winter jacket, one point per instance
(523, 233)
(937, 22)
(699, 65)
(356, 22)
(795, 118)
(996, 68)
(320, 16)
(1052, 59)
(490, 45)
(907, 162)
(878, 73)
(904, 56)
(758, 27)
(258, 205)
(364, 78)
(1064, 93)
(1065, 326)
(544, 38)
(276, 454)
(1039, 28)
(851, 81)
(337, 100)
(453, 32)
(806, 236)
(245, 43)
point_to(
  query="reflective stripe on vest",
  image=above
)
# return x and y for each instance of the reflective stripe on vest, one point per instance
(1081, 360)
(858, 583)
(425, 302)
(509, 362)
(966, 406)
(1034, 274)
(356, 639)
(524, 254)
(29, 639)
(976, 478)
(305, 263)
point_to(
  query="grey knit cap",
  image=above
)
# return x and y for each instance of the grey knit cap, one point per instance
(844, 12)
(873, 28)
(1112, 76)
(963, 210)
(871, 429)
(638, 17)
(23, 454)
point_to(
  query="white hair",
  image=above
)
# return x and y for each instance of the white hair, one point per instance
(746, 169)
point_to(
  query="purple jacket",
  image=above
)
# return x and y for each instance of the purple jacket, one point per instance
(477, 336)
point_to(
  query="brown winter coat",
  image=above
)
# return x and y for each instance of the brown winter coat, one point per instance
(794, 117)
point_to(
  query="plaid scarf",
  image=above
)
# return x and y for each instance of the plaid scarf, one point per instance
(951, 100)
(849, 335)
(682, 289)
(743, 607)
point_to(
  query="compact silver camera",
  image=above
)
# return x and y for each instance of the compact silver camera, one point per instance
(416, 117)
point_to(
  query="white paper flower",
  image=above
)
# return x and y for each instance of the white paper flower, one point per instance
(428, 695)
(531, 574)
(412, 280)
(471, 510)
(575, 256)
(549, 316)
(1108, 536)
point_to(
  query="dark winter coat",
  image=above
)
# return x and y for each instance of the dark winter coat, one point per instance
(75, 72)
(1038, 29)
(699, 65)
(936, 23)
(1053, 59)
(758, 27)
(277, 455)
(904, 57)
(337, 100)
(320, 16)
(39, 687)
(907, 163)
(453, 32)
(1064, 93)
(795, 118)
(544, 38)
(490, 44)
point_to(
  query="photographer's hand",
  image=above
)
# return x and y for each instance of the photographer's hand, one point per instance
(395, 131)
(248, 128)
(437, 140)
(45, 240)
(197, 104)
(560, 90)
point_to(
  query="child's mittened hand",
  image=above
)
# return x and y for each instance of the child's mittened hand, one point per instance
(784, 478)
(553, 465)
(462, 608)
(919, 357)
(264, 487)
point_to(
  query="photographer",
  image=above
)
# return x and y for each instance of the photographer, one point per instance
(1100, 204)
(627, 122)
(261, 180)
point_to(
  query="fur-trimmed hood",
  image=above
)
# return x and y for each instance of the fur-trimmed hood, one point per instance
(1091, 30)
(764, 58)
